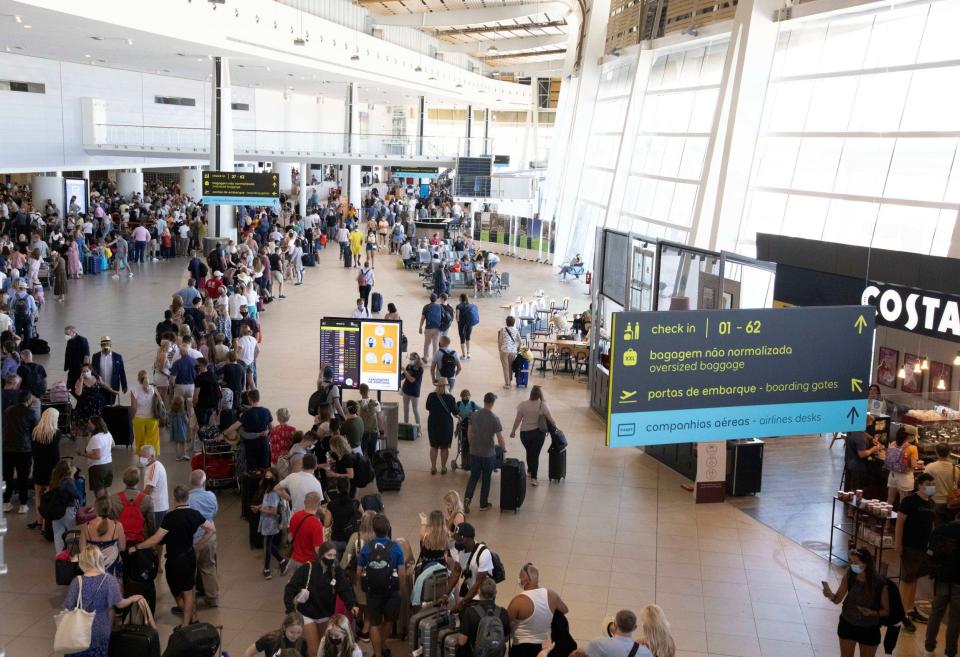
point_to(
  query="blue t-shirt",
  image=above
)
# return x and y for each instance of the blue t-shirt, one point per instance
(396, 552)
(256, 419)
(185, 370)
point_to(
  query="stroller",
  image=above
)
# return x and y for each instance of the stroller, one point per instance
(462, 457)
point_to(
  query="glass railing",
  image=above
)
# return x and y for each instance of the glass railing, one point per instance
(267, 142)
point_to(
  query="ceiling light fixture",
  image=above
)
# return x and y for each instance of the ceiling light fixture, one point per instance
(925, 365)
(356, 58)
(492, 49)
(27, 27)
(956, 360)
(902, 373)
(418, 69)
(941, 385)
(299, 42)
(916, 367)
(17, 18)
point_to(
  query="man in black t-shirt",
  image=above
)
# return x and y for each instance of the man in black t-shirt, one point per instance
(206, 393)
(234, 376)
(914, 524)
(857, 449)
(474, 613)
(254, 427)
(176, 533)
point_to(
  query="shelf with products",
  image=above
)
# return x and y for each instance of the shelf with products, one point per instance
(864, 522)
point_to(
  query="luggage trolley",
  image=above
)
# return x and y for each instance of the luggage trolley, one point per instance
(218, 460)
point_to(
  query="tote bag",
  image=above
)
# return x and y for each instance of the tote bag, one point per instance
(74, 626)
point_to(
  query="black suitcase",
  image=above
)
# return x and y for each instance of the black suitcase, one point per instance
(376, 302)
(119, 424)
(558, 465)
(139, 640)
(197, 640)
(308, 260)
(347, 259)
(513, 485)
(147, 589)
(388, 470)
(407, 431)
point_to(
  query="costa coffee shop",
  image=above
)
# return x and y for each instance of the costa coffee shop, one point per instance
(917, 346)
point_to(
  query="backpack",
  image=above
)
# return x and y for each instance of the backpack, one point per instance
(379, 576)
(52, 505)
(490, 641)
(130, 517)
(499, 573)
(895, 459)
(363, 472)
(474, 314)
(321, 398)
(21, 309)
(446, 317)
(434, 315)
(368, 413)
(448, 363)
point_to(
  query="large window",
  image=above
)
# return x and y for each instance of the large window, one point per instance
(860, 131)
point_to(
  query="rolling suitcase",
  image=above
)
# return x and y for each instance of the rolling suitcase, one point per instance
(425, 628)
(139, 640)
(558, 465)
(513, 485)
(119, 423)
(447, 641)
(407, 431)
(522, 375)
(347, 259)
(376, 302)
(196, 640)
(308, 260)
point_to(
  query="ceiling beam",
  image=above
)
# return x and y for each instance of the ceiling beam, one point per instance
(504, 45)
(472, 16)
(543, 69)
(497, 28)
(534, 53)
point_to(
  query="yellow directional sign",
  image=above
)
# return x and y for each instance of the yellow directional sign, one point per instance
(856, 385)
(860, 324)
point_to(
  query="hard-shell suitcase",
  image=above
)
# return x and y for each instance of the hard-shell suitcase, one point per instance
(197, 640)
(407, 431)
(513, 485)
(522, 375)
(119, 423)
(347, 259)
(139, 640)
(558, 465)
(308, 260)
(425, 630)
(376, 302)
(449, 644)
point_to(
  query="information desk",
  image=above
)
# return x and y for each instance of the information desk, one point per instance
(432, 225)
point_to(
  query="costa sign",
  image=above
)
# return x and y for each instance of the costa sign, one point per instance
(932, 314)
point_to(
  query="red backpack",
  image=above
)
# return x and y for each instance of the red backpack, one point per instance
(131, 519)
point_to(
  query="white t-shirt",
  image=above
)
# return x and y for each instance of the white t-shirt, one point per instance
(156, 475)
(237, 300)
(485, 564)
(144, 400)
(298, 484)
(246, 349)
(103, 442)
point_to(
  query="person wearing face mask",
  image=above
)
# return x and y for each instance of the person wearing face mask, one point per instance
(531, 613)
(914, 525)
(269, 527)
(338, 640)
(288, 637)
(360, 312)
(91, 394)
(155, 483)
(863, 593)
(323, 580)
(75, 354)
(108, 367)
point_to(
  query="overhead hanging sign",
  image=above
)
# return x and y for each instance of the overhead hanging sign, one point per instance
(415, 172)
(928, 313)
(692, 376)
(380, 355)
(340, 349)
(240, 188)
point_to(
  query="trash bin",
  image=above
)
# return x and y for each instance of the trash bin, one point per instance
(391, 422)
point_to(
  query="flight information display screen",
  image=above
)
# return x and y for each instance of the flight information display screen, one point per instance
(340, 349)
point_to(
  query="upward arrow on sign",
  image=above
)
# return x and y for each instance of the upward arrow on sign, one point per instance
(860, 324)
(855, 385)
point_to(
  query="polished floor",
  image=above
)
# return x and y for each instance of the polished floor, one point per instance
(619, 532)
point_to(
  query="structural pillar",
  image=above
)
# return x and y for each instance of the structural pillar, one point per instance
(284, 171)
(421, 122)
(49, 186)
(469, 129)
(353, 123)
(130, 182)
(302, 187)
(190, 183)
(221, 219)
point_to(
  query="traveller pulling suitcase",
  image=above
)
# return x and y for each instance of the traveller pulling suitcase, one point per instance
(513, 484)
(558, 465)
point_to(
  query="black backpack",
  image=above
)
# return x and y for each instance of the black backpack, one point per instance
(21, 309)
(448, 363)
(363, 472)
(446, 317)
(379, 575)
(52, 505)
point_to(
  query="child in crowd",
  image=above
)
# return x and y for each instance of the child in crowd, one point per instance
(179, 426)
(270, 522)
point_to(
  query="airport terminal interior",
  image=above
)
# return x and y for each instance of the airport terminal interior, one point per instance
(475, 328)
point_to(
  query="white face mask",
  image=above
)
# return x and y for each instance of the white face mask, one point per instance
(144, 461)
(87, 374)
(67, 336)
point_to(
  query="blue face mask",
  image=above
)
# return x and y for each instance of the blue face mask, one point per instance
(929, 490)
(856, 568)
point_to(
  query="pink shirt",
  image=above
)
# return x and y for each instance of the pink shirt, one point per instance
(141, 234)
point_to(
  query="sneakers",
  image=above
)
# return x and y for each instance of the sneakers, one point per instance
(23, 509)
(283, 566)
(7, 507)
(115, 276)
(917, 616)
(466, 505)
(486, 507)
(130, 274)
(266, 574)
(908, 626)
(533, 482)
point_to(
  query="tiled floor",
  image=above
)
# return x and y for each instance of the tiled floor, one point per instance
(619, 532)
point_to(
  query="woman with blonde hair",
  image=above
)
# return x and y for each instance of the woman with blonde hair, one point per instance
(107, 535)
(338, 640)
(358, 539)
(288, 637)
(161, 368)
(453, 510)
(97, 591)
(434, 540)
(146, 425)
(656, 632)
(45, 445)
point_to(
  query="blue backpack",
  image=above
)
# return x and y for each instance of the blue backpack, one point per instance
(474, 314)
(434, 314)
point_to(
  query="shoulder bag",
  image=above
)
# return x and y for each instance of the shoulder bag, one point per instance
(75, 626)
(304, 594)
(542, 423)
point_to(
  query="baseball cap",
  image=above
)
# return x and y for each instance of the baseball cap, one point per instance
(466, 530)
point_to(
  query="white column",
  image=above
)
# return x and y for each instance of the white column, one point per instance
(85, 174)
(302, 187)
(285, 172)
(221, 219)
(353, 124)
(190, 182)
(130, 182)
(746, 72)
(49, 187)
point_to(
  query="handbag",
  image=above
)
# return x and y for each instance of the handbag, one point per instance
(542, 423)
(159, 410)
(75, 626)
(304, 594)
